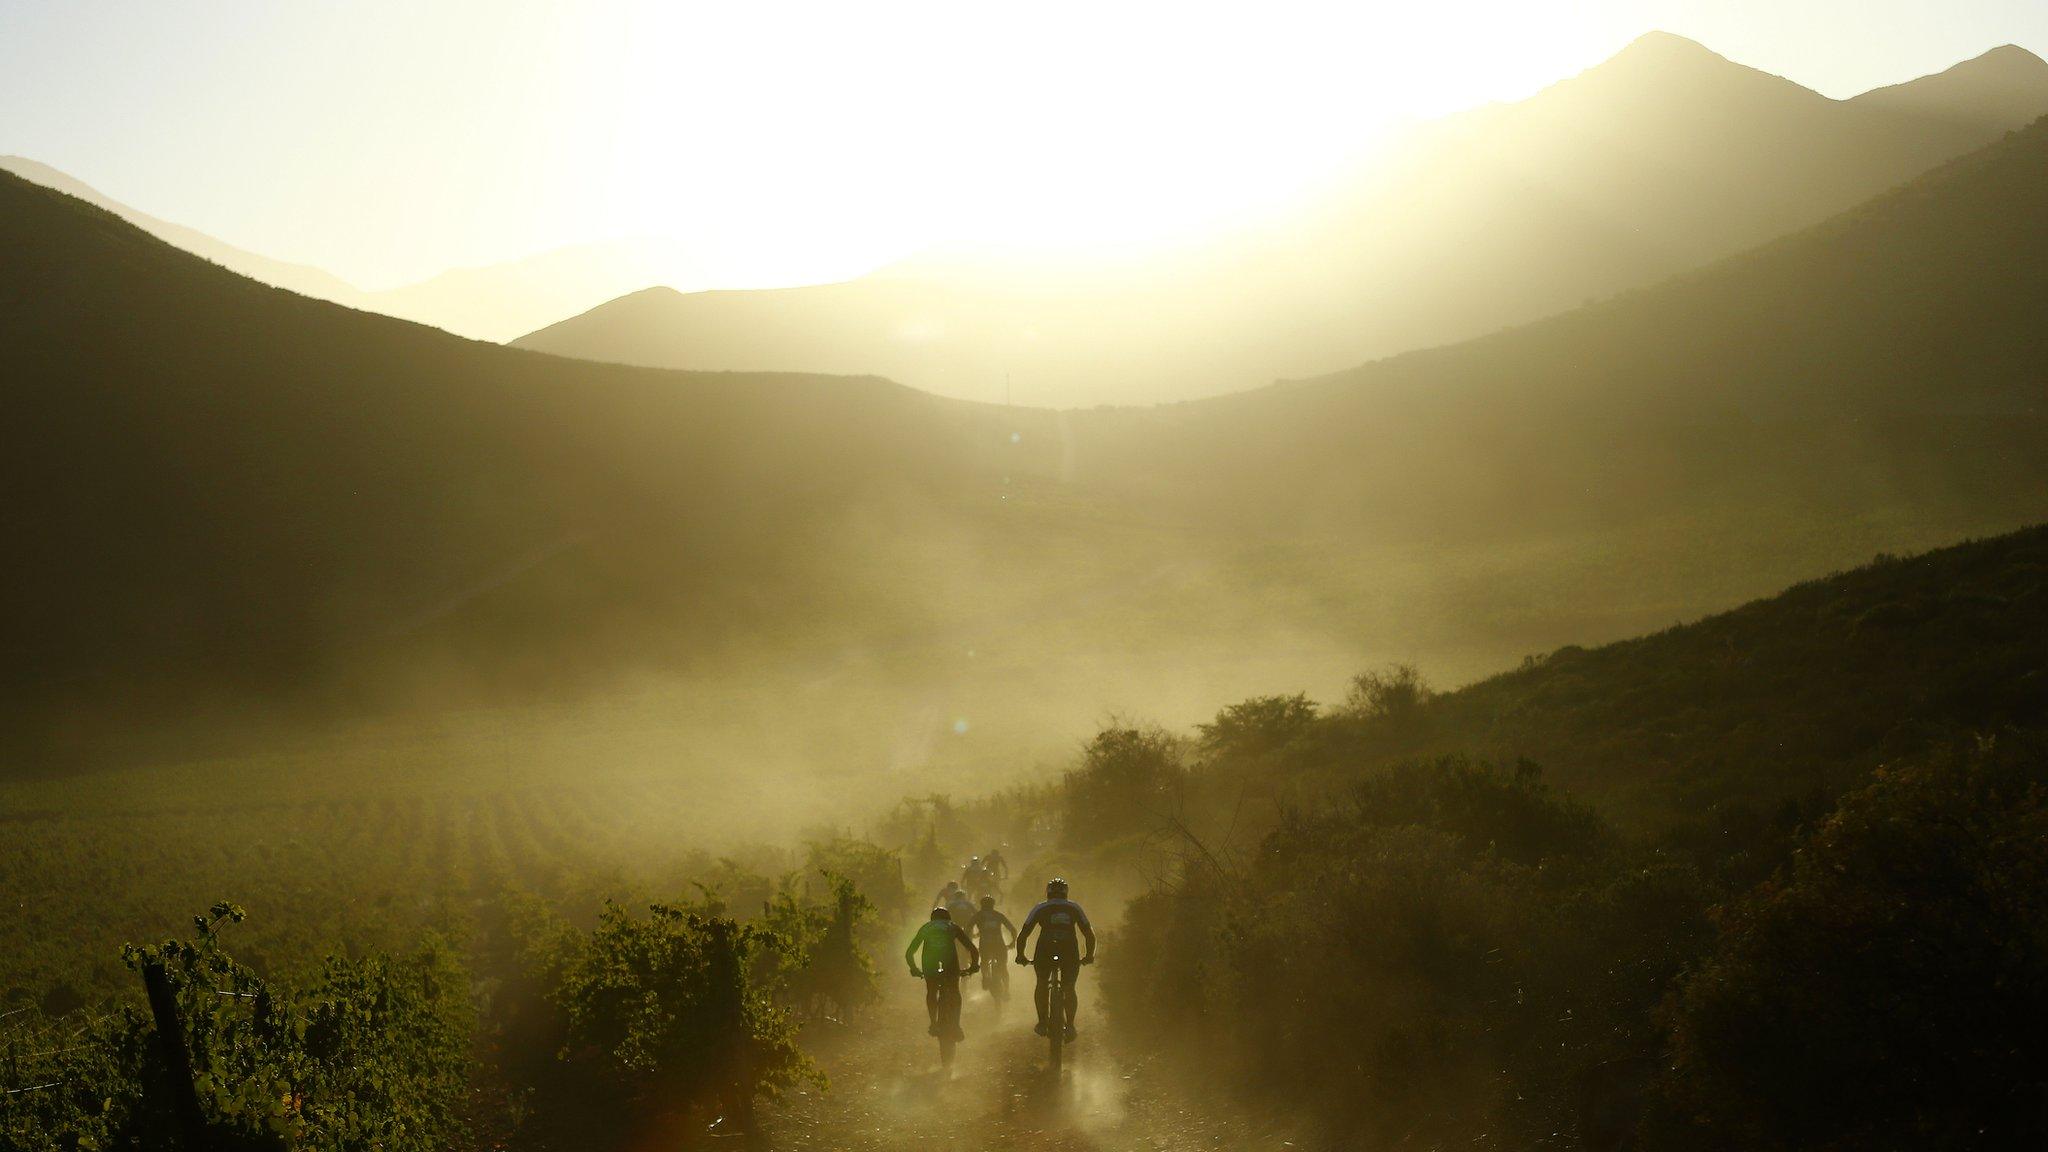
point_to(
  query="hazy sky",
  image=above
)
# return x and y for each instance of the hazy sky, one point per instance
(388, 139)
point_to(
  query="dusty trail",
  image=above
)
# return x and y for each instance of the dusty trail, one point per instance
(889, 1092)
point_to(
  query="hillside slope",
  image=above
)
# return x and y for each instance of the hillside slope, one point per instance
(1856, 761)
(221, 481)
(235, 494)
(494, 302)
(300, 278)
(1895, 351)
(1660, 159)
(1794, 697)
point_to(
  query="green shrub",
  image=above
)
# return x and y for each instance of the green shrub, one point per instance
(373, 1053)
(670, 1008)
(1129, 777)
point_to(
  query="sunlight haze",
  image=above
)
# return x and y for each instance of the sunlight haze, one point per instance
(780, 143)
(1491, 556)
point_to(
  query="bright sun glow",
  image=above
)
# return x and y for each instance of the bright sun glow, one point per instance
(1057, 125)
(784, 141)
(775, 142)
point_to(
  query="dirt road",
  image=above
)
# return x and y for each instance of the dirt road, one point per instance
(888, 1090)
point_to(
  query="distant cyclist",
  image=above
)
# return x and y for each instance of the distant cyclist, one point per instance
(989, 922)
(976, 877)
(962, 907)
(998, 871)
(1057, 919)
(934, 957)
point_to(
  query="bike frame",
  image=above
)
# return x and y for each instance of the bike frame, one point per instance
(1056, 1011)
(1056, 1006)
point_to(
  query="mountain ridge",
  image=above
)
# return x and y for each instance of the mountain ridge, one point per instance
(1632, 171)
(301, 278)
(294, 501)
(2004, 82)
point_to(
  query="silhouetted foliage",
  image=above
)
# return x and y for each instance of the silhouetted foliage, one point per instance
(668, 1006)
(1258, 726)
(1422, 959)
(1392, 695)
(1890, 991)
(1435, 949)
(1128, 778)
(372, 1053)
(875, 872)
(821, 966)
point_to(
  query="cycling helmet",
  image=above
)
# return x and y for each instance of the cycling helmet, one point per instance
(941, 914)
(988, 901)
(1056, 889)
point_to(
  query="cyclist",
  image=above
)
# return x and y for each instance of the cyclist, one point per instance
(963, 908)
(935, 944)
(989, 922)
(998, 870)
(976, 877)
(1056, 919)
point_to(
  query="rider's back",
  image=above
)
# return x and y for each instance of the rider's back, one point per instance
(1059, 922)
(935, 942)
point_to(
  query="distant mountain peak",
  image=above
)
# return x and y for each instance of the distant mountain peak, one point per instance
(1667, 43)
(1670, 63)
(2007, 64)
(2010, 55)
(1663, 51)
(2007, 85)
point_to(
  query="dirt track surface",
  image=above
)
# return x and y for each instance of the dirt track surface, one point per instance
(888, 1090)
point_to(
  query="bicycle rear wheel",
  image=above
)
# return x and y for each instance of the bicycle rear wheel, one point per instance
(949, 1022)
(1056, 1011)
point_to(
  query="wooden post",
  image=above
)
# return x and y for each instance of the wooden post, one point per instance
(163, 1005)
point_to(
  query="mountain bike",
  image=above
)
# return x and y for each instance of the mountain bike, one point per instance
(949, 1012)
(1057, 1018)
(995, 976)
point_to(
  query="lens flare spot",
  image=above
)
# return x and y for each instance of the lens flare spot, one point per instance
(960, 726)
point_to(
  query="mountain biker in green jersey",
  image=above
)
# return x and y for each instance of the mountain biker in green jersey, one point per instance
(934, 957)
(1057, 919)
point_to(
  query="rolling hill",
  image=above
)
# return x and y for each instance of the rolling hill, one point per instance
(300, 278)
(1793, 698)
(494, 302)
(234, 503)
(1663, 158)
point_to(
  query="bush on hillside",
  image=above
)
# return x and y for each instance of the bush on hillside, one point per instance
(1258, 727)
(1392, 694)
(1891, 991)
(1129, 779)
(1441, 954)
